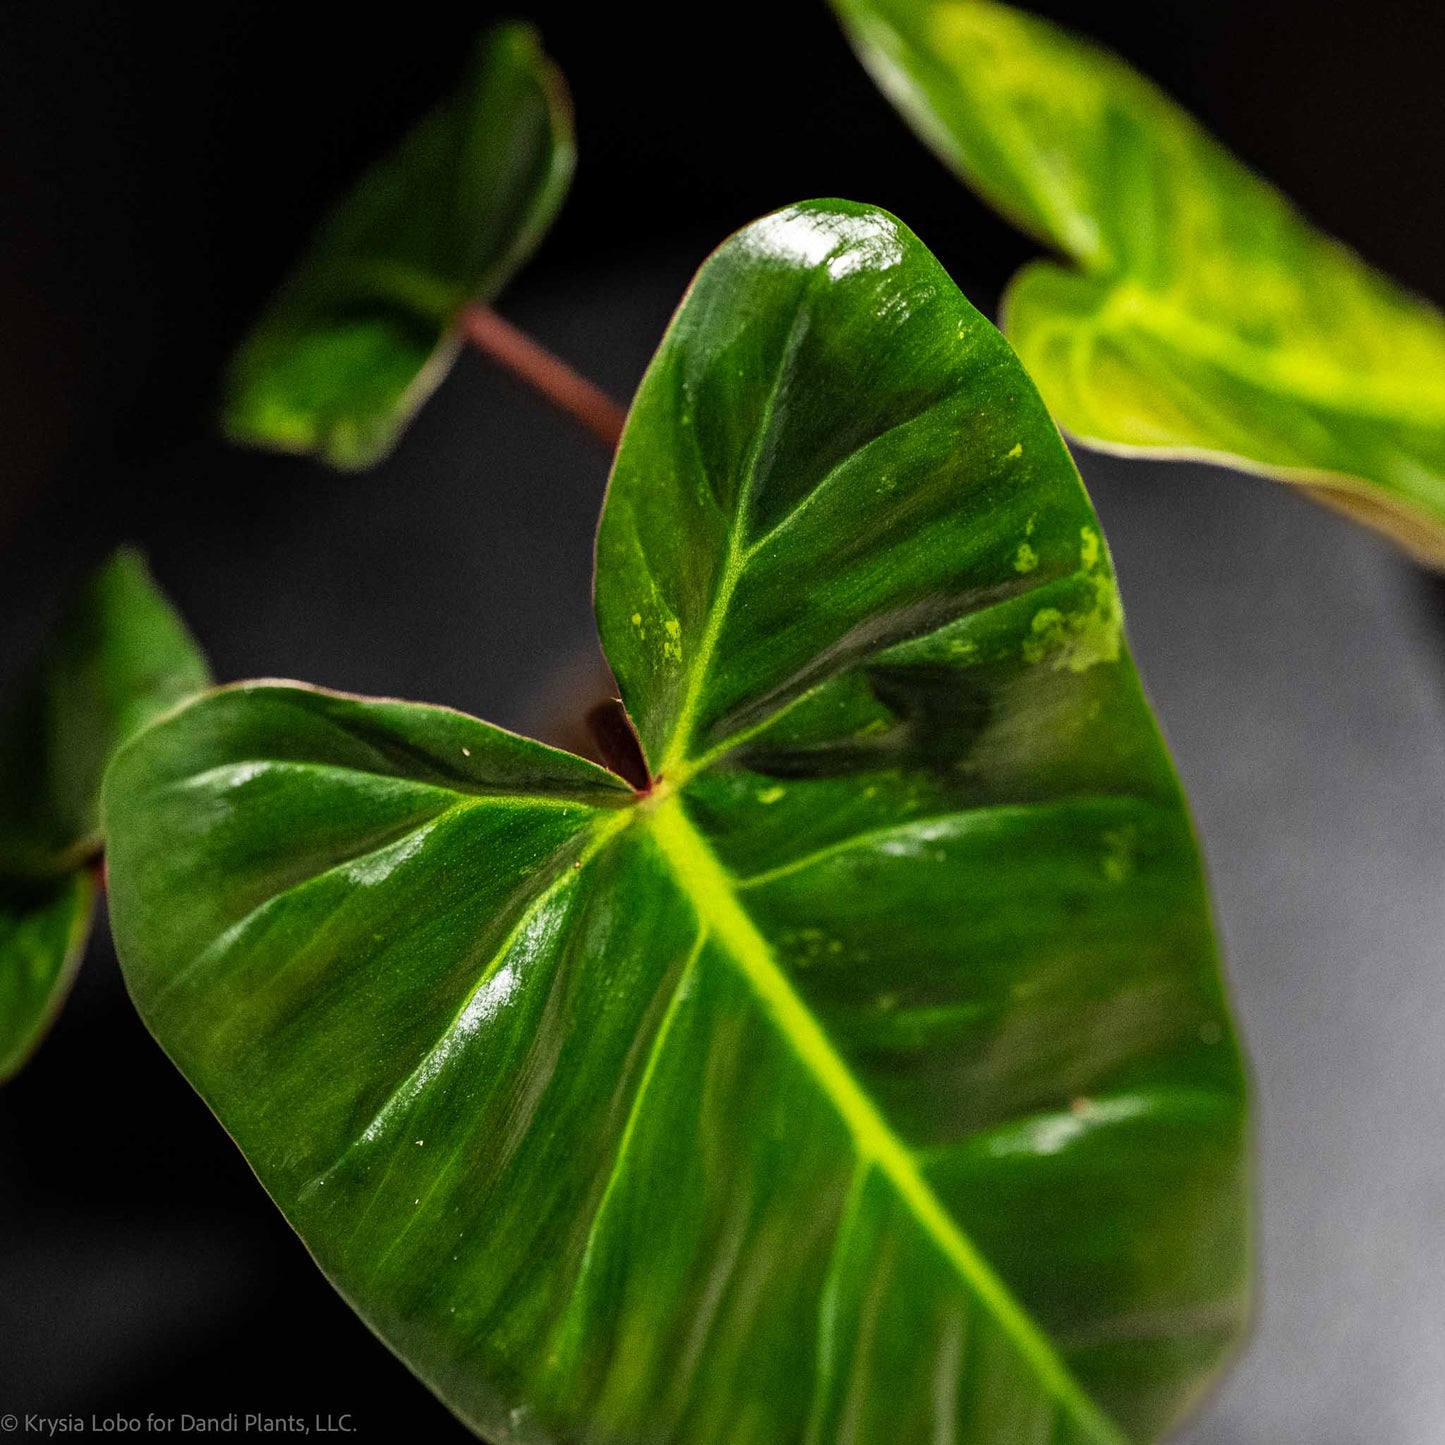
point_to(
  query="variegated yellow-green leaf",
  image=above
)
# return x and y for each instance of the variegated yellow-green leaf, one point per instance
(119, 657)
(363, 330)
(867, 1075)
(1202, 316)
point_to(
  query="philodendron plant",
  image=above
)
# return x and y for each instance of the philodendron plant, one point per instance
(1199, 314)
(861, 1069)
(842, 1055)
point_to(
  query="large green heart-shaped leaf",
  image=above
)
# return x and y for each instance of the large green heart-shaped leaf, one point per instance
(364, 329)
(865, 1077)
(1204, 316)
(118, 658)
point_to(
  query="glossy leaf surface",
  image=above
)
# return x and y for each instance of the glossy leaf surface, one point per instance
(118, 658)
(363, 330)
(1202, 315)
(869, 1077)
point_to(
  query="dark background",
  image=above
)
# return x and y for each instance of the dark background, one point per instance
(158, 170)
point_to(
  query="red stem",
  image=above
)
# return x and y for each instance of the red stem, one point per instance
(565, 388)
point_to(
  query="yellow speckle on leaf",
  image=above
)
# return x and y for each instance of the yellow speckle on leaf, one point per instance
(1046, 627)
(1088, 633)
(672, 643)
(1026, 559)
(771, 795)
(1016, 450)
(1119, 853)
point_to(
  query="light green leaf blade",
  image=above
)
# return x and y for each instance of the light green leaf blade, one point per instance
(870, 1076)
(118, 658)
(363, 330)
(1204, 317)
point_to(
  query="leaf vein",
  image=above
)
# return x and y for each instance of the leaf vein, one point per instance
(954, 822)
(822, 484)
(406, 1090)
(736, 554)
(711, 890)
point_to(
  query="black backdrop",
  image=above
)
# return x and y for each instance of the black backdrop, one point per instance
(156, 174)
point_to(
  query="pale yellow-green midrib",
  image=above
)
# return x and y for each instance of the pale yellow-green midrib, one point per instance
(710, 890)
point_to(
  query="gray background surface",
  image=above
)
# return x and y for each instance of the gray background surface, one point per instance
(1296, 665)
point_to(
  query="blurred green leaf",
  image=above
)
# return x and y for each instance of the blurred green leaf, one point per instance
(118, 658)
(1202, 316)
(868, 1075)
(43, 932)
(363, 330)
